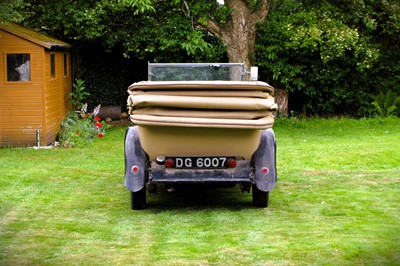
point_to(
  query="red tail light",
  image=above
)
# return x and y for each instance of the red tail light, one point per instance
(231, 163)
(265, 170)
(135, 169)
(169, 163)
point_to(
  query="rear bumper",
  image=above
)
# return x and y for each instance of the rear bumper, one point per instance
(251, 171)
(241, 173)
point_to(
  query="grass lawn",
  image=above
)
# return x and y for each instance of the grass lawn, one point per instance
(337, 202)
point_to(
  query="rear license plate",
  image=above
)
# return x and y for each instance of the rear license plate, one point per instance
(201, 162)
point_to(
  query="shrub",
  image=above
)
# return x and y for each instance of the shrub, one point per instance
(79, 94)
(386, 103)
(80, 128)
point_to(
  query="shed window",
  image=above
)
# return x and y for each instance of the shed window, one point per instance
(18, 67)
(65, 64)
(52, 65)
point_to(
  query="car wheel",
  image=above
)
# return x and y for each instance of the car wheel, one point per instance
(138, 199)
(260, 198)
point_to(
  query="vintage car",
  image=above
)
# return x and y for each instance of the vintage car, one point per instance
(200, 123)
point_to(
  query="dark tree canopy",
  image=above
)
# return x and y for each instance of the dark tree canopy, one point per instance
(333, 55)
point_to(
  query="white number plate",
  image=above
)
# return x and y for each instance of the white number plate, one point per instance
(201, 162)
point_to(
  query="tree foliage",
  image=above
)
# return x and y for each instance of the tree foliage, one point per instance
(8, 10)
(334, 56)
(331, 52)
(156, 30)
(148, 28)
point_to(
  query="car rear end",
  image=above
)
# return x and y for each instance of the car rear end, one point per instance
(200, 132)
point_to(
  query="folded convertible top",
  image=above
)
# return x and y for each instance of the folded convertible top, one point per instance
(200, 84)
(214, 104)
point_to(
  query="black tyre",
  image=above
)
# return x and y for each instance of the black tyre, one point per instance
(260, 198)
(138, 199)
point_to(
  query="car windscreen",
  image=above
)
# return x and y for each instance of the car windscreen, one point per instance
(195, 71)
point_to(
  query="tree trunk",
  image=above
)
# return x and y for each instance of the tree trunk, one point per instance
(239, 34)
(282, 100)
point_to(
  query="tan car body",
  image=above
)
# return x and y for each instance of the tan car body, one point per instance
(199, 119)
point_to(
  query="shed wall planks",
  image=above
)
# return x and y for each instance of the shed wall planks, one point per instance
(38, 104)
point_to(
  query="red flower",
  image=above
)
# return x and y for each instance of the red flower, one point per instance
(97, 118)
(98, 125)
(100, 135)
(77, 133)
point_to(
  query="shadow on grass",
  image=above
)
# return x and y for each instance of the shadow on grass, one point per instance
(199, 197)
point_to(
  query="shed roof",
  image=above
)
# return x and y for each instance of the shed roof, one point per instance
(33, 36)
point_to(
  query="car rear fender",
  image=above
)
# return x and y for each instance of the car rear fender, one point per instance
(265, 157)
(135, 157)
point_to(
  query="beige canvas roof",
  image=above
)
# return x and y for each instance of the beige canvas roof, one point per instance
(213, 104)
(205, 85)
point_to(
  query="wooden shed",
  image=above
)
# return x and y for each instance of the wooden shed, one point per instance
(35, 82)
